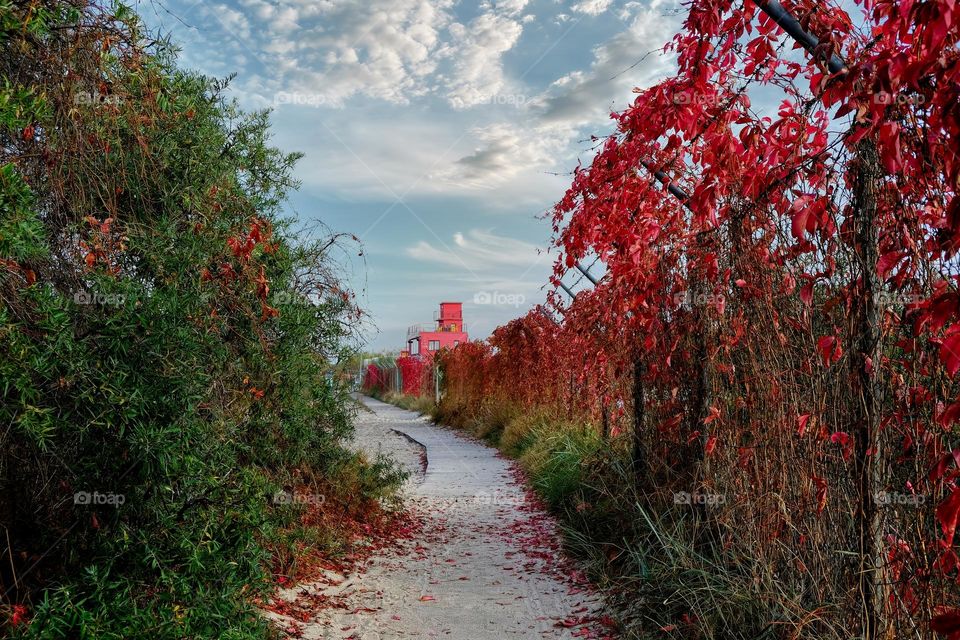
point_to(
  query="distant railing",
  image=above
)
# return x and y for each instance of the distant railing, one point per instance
(416, 329)
(424, 327)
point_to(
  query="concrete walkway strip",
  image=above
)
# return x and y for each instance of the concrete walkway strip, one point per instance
(486, 564)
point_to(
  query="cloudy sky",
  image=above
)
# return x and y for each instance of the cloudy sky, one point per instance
(437, 131)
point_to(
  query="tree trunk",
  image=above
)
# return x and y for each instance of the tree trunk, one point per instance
(865, 358)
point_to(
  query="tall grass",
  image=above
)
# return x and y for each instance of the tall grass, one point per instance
(669, 570)
(419, 404)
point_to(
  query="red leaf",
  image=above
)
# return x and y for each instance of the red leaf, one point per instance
(19, 615)
(846, 443)
(947, 513)
(943, 463)
(800, 217)
(829, 348)
(947, 624)
(950, 415)
(950, 352)
(821, 486)
(714, 414)
(840, 437)
(711, 445)
(888, 261)
(802, 424)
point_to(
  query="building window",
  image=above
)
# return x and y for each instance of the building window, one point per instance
(434, 345)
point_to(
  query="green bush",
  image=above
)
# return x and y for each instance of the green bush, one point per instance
(419, 404)
(166, 339)
(556, 458)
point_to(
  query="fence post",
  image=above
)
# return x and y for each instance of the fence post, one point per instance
(868, 454)
(638, 454)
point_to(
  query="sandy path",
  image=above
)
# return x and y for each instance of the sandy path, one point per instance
(486, 563)
(377, 432)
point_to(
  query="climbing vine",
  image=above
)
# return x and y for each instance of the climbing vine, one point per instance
(778, 321)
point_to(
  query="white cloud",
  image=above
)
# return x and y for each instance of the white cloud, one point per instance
(476, 50)
(232, 20)
(390, 50)
(338, 49)
(508, 7)
(629, 59)
(507, 150)
(575, 104)
(395, 51)
(592, 7)
(478, 250)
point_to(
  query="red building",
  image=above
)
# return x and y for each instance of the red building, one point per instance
(448, 332)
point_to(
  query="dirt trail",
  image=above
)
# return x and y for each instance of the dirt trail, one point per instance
(486, 563)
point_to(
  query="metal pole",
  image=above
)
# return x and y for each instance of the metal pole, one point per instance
(805, 39)
(586, 272)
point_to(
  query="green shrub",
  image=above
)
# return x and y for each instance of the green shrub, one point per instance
(165, 336)
(557, 459)
(421, 404)
(521, 432)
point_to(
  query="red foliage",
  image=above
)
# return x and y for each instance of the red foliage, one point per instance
(750, 297)
(19, 616)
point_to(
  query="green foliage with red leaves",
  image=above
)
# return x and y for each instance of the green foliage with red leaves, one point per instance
(165, 338)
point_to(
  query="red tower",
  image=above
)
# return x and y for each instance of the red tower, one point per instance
(425, 339)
